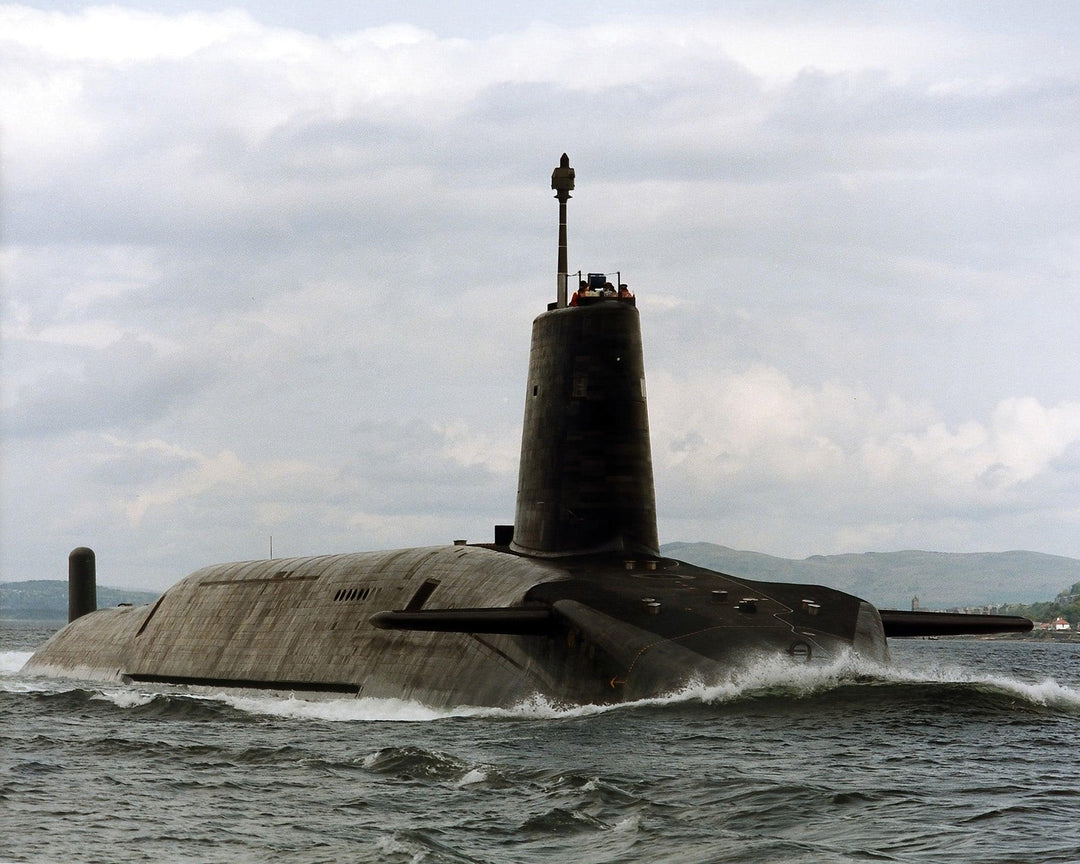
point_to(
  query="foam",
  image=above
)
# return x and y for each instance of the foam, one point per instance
(475, 775)
(770, 676)
(774, 675)
(1046, 693)
(12, 661)
(125, 698)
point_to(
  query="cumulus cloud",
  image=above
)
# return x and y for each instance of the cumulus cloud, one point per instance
(189, 480)
(120, 383)
(1019, 444)
(759, 424)
(267, 274)
(868, 470)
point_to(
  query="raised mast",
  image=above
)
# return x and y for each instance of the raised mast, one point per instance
(562, 181)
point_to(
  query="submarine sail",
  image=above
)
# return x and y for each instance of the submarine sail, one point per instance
(585, 479)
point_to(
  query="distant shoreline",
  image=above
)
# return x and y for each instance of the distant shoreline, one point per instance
(1031, 636)
(47, 599)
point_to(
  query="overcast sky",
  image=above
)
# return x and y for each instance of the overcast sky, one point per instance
(269, 270)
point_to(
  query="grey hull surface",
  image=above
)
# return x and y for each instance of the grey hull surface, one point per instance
(596, 628)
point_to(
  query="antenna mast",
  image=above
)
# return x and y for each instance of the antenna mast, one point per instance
(562, 181)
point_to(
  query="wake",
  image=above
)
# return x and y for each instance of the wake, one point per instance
(771, 678)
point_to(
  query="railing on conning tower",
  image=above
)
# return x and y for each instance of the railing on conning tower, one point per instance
(597, 288)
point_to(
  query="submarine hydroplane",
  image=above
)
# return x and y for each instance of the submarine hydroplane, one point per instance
(574, 601)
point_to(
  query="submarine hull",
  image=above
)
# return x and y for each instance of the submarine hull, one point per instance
(592, 629)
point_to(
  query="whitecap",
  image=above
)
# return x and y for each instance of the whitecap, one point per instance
(124, 698)
(774, 676)
(627, 825)
(345, 710)
(12, 661)
(475, 775)
(1047, 692)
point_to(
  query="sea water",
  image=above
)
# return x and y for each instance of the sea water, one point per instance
(957, 751)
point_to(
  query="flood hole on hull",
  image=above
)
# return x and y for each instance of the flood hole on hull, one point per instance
(800, 651)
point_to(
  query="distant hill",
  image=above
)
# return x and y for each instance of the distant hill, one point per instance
(887, 579)
(47, 599)
(890, 579)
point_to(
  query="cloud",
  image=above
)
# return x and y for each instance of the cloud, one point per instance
(92, 388)
(1022, 441)
(188, 479)
(266, 273)
(754, 440)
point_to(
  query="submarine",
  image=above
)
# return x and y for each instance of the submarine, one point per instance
(574, 602)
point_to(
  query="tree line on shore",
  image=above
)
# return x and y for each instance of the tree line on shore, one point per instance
(1065, 605)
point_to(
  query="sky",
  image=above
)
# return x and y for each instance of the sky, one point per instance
(268, 270)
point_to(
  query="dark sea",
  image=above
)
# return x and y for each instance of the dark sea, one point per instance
(960, 750)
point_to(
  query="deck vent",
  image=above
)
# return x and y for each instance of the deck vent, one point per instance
(344, 595)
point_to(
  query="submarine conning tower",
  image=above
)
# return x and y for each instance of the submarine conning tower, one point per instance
(585, 481)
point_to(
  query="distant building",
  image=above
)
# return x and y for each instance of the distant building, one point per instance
(915, 603)
(1060, 624)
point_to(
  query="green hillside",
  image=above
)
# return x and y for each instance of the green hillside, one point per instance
(46, 599)
(1066, 605)
(941, 580)
(889, 580)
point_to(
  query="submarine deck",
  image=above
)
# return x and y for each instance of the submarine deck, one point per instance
(589, 629)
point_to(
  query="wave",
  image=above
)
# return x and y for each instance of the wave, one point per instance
(12, 661)
(428, 764)
(1046, 693)
(849, 679)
